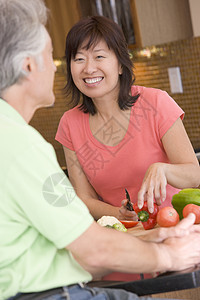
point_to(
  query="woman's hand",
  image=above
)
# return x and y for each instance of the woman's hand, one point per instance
(125, 214)
(153, 186)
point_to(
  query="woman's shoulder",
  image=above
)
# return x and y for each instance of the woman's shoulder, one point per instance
(74, 113)
(142, 90)
(157, 100)
(153, 97)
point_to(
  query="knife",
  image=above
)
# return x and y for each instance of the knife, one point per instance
(129, 205)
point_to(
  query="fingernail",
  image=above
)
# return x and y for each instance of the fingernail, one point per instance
(151, 210)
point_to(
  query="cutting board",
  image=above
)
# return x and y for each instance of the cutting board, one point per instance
(138, 230)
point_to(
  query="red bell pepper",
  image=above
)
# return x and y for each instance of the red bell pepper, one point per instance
(148, 219)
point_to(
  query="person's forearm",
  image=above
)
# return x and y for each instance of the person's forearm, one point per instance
(135, 256)
(101, 250)
(115, 251)
(99, 208)
(183, 175)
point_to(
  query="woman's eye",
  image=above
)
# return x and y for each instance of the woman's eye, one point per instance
(78, 59)
(100, 56)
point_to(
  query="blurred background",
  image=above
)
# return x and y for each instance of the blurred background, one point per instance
(164, 43)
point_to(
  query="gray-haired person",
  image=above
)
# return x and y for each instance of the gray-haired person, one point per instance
(50, 246)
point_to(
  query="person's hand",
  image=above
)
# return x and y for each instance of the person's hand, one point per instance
(125, 214)
(179, 245)
(184, 251)
(180, 253)
(183, 228)
(153, 186)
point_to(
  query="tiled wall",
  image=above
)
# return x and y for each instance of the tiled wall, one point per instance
(151, 66)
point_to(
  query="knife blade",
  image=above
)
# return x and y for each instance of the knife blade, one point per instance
(129, 205)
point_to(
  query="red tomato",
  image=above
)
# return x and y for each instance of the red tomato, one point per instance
(129, 224)
(192, 208)
(167, 217)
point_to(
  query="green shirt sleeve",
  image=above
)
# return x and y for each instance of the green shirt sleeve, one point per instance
(44, 198)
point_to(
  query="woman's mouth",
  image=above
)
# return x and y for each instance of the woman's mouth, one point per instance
(93, 80)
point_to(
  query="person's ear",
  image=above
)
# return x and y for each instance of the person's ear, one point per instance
(28, 66)
(120, 70)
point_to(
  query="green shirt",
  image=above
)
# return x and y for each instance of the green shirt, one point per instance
(40, 213)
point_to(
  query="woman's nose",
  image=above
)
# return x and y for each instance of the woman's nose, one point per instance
(90, 67)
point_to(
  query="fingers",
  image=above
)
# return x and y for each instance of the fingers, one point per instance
(157, 194)
(124, 213)
(160, 192)
(163, 191)
(127, 215)
(186, 223)
(195, 228)
(150, 199)
(148, 195)
(141, 194)
(153, 187)
(183, 228)
(124, 202)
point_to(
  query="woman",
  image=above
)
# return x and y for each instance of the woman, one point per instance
(121, 136)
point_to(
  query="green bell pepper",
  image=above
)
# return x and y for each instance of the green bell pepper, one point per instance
(184, 197)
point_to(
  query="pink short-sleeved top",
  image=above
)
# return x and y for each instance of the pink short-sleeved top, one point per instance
(112, 169)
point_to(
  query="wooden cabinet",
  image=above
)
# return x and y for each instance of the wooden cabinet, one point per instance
(162, 21)
(194, 11)
(154, 21)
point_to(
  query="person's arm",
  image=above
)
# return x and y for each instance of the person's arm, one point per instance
(183, 171)
(112, 250)
(87, 193)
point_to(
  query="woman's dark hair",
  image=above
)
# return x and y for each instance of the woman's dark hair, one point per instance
(93, 29)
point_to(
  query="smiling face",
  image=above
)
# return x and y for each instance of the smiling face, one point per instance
(95, 71)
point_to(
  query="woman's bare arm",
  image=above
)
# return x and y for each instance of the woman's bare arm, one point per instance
(87, 193)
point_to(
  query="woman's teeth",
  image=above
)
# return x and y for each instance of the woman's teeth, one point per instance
(93, 80)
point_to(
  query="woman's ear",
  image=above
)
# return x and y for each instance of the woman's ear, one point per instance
(120, 70)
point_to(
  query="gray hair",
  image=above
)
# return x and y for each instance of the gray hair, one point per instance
(22, 34)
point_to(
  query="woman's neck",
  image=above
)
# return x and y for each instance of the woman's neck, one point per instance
(106, 108)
